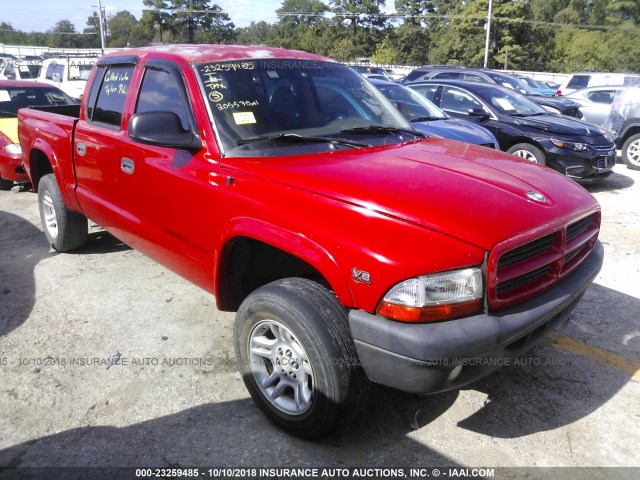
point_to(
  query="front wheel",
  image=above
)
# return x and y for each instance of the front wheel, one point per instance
(528, 152)
(297, 358)
(65, 229)
(5, 184)
(631, 152)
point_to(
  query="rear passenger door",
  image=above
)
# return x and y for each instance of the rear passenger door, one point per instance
(97, 144)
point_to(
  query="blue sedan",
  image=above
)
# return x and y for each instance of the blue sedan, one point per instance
(430, 120)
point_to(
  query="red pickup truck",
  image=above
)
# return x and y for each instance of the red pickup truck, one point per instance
(353, 248)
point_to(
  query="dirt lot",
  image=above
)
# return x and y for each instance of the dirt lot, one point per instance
(173, 397)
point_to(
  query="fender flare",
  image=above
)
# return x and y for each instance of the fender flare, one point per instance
(624, 134)
(293, 243)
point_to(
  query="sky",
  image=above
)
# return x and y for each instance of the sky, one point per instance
(42, 15)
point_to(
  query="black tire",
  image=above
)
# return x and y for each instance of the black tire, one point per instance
(321, 361)
(65, 229)
(631, 152)
(5, 184)
(528, 152)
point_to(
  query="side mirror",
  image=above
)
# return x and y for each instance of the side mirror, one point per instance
(162, 129)
(478, 112)
(56, 77)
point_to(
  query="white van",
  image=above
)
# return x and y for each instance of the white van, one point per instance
(575, 81)
(16, 69)
(68, 74)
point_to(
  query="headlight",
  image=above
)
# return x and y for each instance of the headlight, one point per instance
(551, 109)
(13, 148)
(430, 298)
(576, 147)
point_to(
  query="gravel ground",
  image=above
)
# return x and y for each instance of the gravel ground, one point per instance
(172, 396)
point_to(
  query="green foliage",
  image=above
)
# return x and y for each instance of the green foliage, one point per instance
(343, 51)
(156, 22)
(254, 34)
(412, 45)
(358, 13)
(11, 36)
(384, 54)
(64, 35)
(197, 20)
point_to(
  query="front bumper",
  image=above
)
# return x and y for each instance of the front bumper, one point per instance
(421, 358)
(11, 167)
(587, 167)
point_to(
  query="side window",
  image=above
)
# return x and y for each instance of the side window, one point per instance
(455, 100)
(448, 75)
(54, 68)
(428, 91)
(111, 95)
(578, 81)
(602, 96)
(160, 92)
(472, 77)
(9, 70)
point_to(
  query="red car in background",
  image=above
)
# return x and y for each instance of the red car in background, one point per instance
(14, 95)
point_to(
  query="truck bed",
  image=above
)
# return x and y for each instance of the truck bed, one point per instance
(66, 110)
(47, 132)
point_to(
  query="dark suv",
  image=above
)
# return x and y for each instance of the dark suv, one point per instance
(437, 72)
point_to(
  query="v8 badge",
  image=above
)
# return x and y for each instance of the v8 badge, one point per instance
(360, 276)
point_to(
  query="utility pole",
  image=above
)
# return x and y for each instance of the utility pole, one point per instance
(102, 19)
(486, 45)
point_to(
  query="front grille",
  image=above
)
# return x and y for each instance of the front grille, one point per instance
(522, 280)
(605, 150)
(518, 272)
(576, 228)
(526, 251)
(602, 162)
(571, 255)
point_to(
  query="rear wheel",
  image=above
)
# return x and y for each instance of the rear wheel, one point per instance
(297, 358)
(528, 152)
(631, 152)
(65, 229)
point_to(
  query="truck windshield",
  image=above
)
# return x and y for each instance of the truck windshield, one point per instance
(259, 106)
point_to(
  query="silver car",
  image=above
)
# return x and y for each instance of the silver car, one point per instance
(595, 102)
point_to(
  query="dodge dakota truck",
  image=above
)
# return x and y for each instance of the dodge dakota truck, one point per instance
(353, 248)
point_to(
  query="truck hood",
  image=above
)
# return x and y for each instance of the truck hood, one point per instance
(474, 194)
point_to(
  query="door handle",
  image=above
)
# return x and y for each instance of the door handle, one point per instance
(127, 165)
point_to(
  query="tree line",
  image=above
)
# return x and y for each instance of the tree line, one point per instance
(544, 35)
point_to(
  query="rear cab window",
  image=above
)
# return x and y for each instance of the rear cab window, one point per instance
(108, 94)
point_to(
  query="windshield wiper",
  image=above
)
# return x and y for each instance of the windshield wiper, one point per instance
(425, 119)
(380, 129)
(293, 137)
